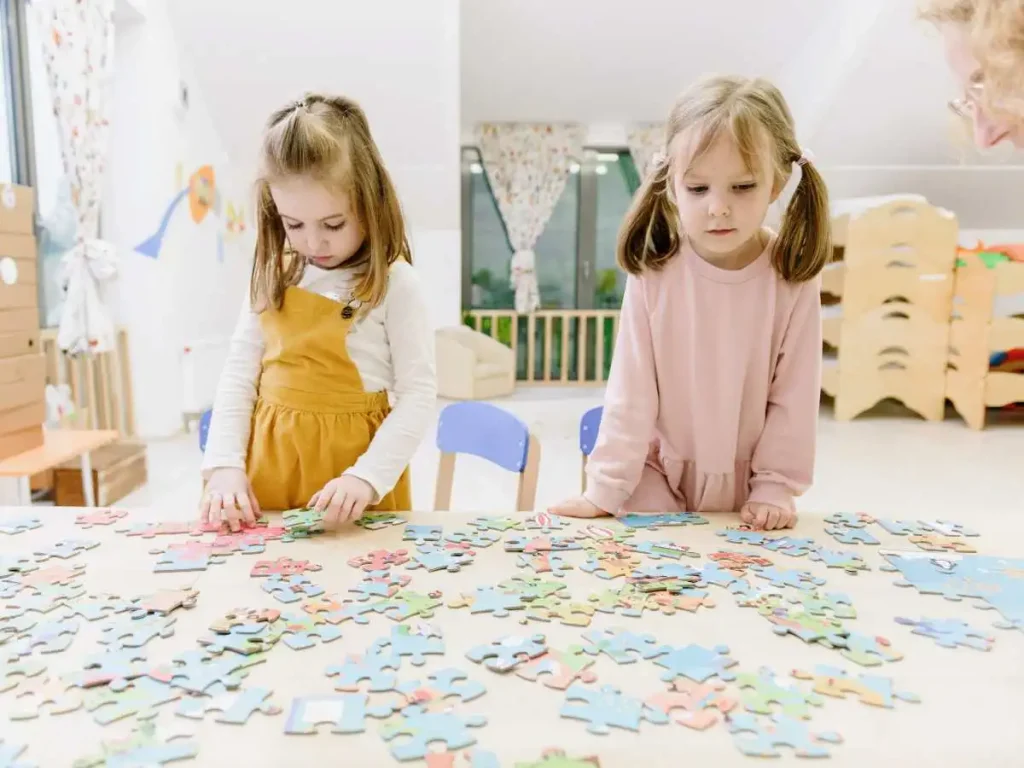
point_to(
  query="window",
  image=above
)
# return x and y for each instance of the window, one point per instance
(616, 182)
(8, 148)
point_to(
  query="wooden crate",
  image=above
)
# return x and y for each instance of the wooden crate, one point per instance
(117, 470)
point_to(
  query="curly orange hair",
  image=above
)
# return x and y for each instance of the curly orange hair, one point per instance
(997, 40)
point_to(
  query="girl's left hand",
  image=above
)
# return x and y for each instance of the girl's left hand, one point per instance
(766, 517)
(342, 500)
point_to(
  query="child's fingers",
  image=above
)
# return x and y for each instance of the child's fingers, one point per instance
(204, 509)
(254, 504)
(772, 521)
(245, 506)
(347, 505)
(216, 504)
(332, 513)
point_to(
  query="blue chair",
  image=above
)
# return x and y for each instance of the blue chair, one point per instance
(590, 425)
(494, 434)
(204, 428)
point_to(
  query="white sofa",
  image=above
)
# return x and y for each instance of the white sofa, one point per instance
(472, 365)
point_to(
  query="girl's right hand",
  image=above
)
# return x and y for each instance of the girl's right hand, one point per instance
(229, 498)
(578, 507)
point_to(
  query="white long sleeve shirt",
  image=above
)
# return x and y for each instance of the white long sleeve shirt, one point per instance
(393, 349)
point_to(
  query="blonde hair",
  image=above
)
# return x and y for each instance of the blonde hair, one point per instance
(996, 33)
(748, 111)
(326, 138)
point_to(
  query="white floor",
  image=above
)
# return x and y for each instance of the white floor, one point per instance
(887, 463)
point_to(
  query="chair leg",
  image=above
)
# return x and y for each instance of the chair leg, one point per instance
(445, 479)
(526, 497)
(583, 474)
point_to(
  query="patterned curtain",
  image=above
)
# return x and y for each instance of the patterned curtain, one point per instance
(78, 47)
(645, 141)
(527, 166)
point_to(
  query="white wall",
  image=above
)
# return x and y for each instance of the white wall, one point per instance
(185, 293)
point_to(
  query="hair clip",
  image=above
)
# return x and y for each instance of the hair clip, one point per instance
(806, 156)
(658, 159)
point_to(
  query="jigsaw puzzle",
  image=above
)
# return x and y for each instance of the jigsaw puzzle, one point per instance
(782, 731)
(235, 707)
(9, 754)
(421, 534)
(544, 562)
(835, 558)
(298, 630)
(291, 589)
(283, 566)
(557, 758)
(422, 728)
(693, 705)
(114, 668)
(162, 602)
(761, 690)
(932, 542)
(379, 559)
(500, 524)
(696, 663)
(543, 521)
(417, 640)
(135, 633)
(442, 685)
(14, 526)
(39, 693)
(844, 534)
(13, 675)
(508, 652)
(949, 633)
(145, 747)
(622, 646)
(347, 713)
(198, 672)
(102, 517)
(559, 669)
(434, 558)
(655, 522)
(607, 708)
(479, 539)
(375, 521)
(835, 682)
(140, 698)
(376, 666)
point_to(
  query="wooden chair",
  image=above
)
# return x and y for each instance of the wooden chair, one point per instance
(590, 424)
(494, 434)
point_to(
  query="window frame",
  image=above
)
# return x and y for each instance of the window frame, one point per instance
(13, 15)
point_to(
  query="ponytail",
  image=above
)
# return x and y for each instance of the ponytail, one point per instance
(649, 236)
(805, 241)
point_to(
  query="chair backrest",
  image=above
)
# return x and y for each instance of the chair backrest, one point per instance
(590, 424)
(494, 434)
(204, 428)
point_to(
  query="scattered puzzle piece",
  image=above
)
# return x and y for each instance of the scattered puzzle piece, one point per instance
(622, 646)
(423, 728)
(544, 521)
(162, 602)
(696, 663)
(432, 558)
(381, 584)
(934, 543)
(135, 633)
(407, 605)
(500, 524)
(33, 695)
(235, 707)
(557, 758)
(566, 611)
(530, 544)
(949, 633)
(65, 549)
(302, 523)
(151, 530)
(10, 752)
(868, 651)
(559, 668)
(145, 747)
(850, 519)
(702, 704)
(835, 682)
(848, 561)
(760, 691)
(96, 607)
(347, 713)
(946, 528)
(298, 630)
(141, 698)
(445, 683)
(544, 562)
(198, 672)
(508, 652)
(48, 637)
(417, 639)
(379, 559)
(657, 550)
(291, 589)
(608, 708)
(113, 668)
(375, 521)
(654, 522)
(15, 564)
(782, 731)
(847, 535)
(836, 604)
(102, 517)
(372, 666)
(611, 566)
(12, 675)
(479, 539)
(12, 527)
(283, 566)
(785, 577)
(490, 600)
(421, 534)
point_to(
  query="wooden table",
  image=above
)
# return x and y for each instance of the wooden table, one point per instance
(971, 701)
(60, 445)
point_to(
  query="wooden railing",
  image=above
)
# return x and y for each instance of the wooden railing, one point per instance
(553, 346)
(101, 385)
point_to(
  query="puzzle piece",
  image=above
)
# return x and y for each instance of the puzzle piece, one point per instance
(302, 523)
(198, 672)
(283, 566)
(417, 639)
(530, 544)
(141, 698)
(432, 558)
(702, 704)
(556, 758)
(113, 668)
(544, 521)
(298, 630)
(14, 526)
(544, 562)
(696, 663)
(175, 560)
(34, 694)
(934, 543)
(371, 666)
(946, 528)
(743, 536)
(52, 576)
(102, 517)
(135, 633)
(668, 603)
(849, 519)
(949, 633)
(791, 546)
(245, 639)
(15, 564)
(834, 558)
(655, 522)
(608, 708)
(145, 747)
(835, 682)
(9, 752)
(553, 607)
(379, 559)
(478, 539)
(785, 577)
(65, 549)
(424, 728)
(560, 668)
(375, 521)
(783, 731)
(48, 637)
(151, 530)
(533, 587)
(347, 713)
(443, 684)
(47, 598)
(600, 533)
(162, 602)
(656, 550)
(235, 707)
(14, 674)
(868, 651)
(838, 604)
(407, 605)
(497, 524)
(622, 646)
(96, 607)
(421, 534)
(508, 652)
(611, 566)
(489, 600)
(847, 535)
(291, 589)
(380, 584)
(796, 620)
(760, 691)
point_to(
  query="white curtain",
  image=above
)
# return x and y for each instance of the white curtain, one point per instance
(78, 48)
(527, 165)
(646, 141)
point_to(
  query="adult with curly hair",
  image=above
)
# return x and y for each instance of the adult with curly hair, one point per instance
(984, 42)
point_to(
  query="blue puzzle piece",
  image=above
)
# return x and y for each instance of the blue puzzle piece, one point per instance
(665, 571)
(947, 528)
(790, 546)
(873, 690)
(9, 753)
(417, 639)
(372, 666)
(424, 728)
(490, 523)
(949, 633)
(608, 708)
(696, 663)
(490, 600)
(782, 731)
(752, 538)
(441, 685)
(508, 652)
(836, 558)
(846, 535)
(784, 577)
(14, 526)
(713, 573)
(622, 646)
(849, 519)
(421, 534)
(347, 713)
(544, 521)
(902, 527)
(433, 558)
(653, 522)
(291, 589)
(479, 539)
(656, 550)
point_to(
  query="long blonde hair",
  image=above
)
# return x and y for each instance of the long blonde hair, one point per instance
(326, 138)
(747, 111)
(996, 32)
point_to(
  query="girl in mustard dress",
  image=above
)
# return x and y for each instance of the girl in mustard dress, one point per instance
(334, 322)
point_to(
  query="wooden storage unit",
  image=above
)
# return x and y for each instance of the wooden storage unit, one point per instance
(977, 331)
(891, 329)
(22, 368)
(117, 470)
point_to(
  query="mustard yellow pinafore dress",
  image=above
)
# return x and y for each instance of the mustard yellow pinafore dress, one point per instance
(312, 419)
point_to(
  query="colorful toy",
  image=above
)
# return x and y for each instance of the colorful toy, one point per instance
(782, 731)
(949, 633)
(424, 727)
(234, 707)
(608, 708)
(702, 704)
(508, 652)
(835, 682)
(347, 713)
(696, 663)
(559, 668)
(291, 589)
(759, 691)
(622, 646)
(372, 666)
